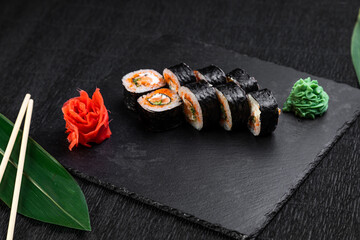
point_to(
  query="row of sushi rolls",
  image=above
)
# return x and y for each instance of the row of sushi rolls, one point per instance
(206, 97)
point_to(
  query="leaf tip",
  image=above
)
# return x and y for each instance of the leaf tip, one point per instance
(88, 228)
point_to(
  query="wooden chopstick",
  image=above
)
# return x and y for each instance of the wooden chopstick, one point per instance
(13, 135)
(19, 172)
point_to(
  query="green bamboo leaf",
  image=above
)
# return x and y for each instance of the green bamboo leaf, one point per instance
(48, 192)
(355, 47)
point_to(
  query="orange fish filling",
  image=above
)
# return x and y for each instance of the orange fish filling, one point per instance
(223, 117)
(171, 82)
(224, 107)
(147, 79)
(253, 120)
(160, 97)
(190, 110)
(197, 75)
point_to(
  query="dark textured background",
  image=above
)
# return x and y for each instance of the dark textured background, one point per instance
(87, 40)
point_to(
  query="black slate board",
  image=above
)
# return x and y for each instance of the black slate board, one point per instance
(231, 180)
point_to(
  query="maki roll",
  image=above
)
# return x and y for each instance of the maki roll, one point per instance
(160, 110)
(201, 106)
(138, 83)
(243, 79)
(264, 112)
(211, 74)
(234, 106)
(178, 75)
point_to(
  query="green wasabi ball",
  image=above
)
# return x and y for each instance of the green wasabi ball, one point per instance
(307, 99)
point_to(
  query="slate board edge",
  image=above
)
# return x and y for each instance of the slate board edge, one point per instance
(213, 226)
(178, 213)
(310, 168)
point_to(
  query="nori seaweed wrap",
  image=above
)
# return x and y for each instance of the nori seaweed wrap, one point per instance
(243, 79)
(264, 112)
(201, 105)
(178, 75)
(130, 99)
(160, 110)
(234, 106)
(211, 74)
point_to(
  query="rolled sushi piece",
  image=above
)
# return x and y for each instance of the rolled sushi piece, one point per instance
(211, 74)
(264, 112)
(138, 83)
(178, 75)
(243, 79)
(234, 106)
(201, 106)
(160, 110)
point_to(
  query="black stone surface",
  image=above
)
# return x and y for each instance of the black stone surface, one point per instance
(87, 39)
(230, 179)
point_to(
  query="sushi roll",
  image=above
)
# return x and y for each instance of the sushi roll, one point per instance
(264, 112)
(211, 74)
(234, 106)
(160, 110)
(201, 106)
(178, 75)
(243, 79)
(139, 83)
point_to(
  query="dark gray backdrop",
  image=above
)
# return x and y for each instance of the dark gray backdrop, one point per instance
(89, 39)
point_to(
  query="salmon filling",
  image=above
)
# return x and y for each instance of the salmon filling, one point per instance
(146, 79)
(143, 80)
(254, 123)
(159, 99)
(225, 113)
(189, 110)
(171, 82)
(198, 76)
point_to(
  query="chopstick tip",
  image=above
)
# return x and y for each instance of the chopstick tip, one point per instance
(31, 102)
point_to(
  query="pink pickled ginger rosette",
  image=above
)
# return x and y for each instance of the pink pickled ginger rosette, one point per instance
(87, 119)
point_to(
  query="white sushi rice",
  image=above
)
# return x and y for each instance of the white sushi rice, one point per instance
(254, 113)
(225, 123)
(197, 123)
(156, 78)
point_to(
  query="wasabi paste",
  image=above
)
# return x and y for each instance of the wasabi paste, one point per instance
(307, 99)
